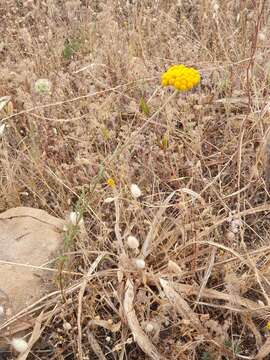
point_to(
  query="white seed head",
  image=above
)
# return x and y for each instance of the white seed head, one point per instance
(135, 191)
(235, 225)
(108, 200)
(262, 36)
(215, 7)
(19, 345)
(230, 236)
(108, 338)
(133, 242)
(67, 326)
(2, 310)
(140, 263)
(2, 129)
(74, 218)
(149, 327)
(43, 86)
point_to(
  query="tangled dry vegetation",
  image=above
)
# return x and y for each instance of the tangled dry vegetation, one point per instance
(200, 160)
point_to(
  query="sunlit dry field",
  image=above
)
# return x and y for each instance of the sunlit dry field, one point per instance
(198, 285)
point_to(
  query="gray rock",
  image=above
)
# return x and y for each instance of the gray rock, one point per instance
(29, 238)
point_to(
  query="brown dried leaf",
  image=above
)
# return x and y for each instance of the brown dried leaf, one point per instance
(4, 101)
(138, 334)
(80, 300)
(175, 268)
(37, 331)
(95, 346)
(181, 305)
(146, 248)
(250, 324)
(106, 324)
(214, 294)
(264, 350)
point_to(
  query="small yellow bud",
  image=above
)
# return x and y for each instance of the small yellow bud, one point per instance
(111, 182)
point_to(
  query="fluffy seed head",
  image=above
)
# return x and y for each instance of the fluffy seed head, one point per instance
(133, 242)
(67, 326)
(108, 200)
(2, 310)
(2, 129)
(215, 7)
(182, 78)
(140, 263)
(262, 36)
(135, 191)
(149, 327)
(74, 218)
(19, 345)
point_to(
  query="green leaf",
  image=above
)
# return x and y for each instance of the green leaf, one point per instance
(70, 48)
(106, 133)
(144, 108)
(205, 356)
(164, 144)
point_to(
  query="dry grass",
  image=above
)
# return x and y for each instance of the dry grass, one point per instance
(199, 159)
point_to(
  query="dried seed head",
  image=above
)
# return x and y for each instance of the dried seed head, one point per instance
(149, 327)
(108, 200)
(236, 225)
(67, 326)
(262, 35)
(132, 242)
(230, 236)
(75, 218)
(2, 129)
(135, 191)
(140, 263)
(19, 345)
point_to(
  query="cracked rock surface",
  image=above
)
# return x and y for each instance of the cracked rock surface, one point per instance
(29, 239)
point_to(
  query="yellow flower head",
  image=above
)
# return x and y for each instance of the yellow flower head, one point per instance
(268, 325)
(182, 78)
(111, 182)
